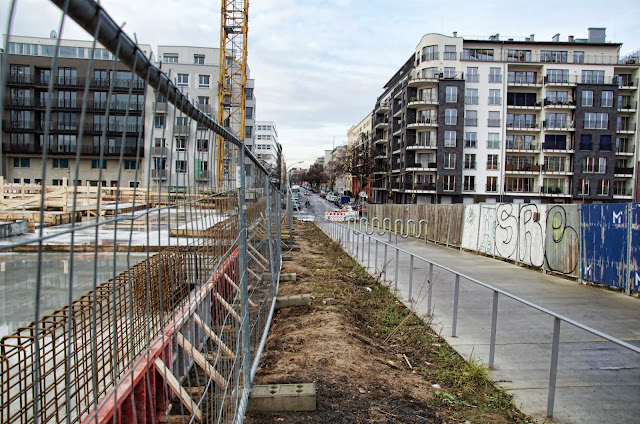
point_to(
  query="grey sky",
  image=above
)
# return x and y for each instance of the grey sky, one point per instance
(320, 64)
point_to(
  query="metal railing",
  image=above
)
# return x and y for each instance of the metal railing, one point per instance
(167, 284)
(352, 237)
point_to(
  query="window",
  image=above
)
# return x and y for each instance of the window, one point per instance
(492, 162)
(170, 58)
(67, 98)
(430, 73)
(602, 121)
(470, 140)
(595, 165)
(494, 96)
(430, 53)
(159, 121)
(22, 162)
(471, 118)
(67, 76)
(522, 99)
(449, 183)
(593, 77)
(578, 57)
(494, 75)
(605, 143)
(589, 121)
(472, 74)
(449, 52)
(56, 182)
(555, 163)
(248, 131)
(603, 187)
(607, 99)
(553, 56)
(449, 72)
(557, 97)
(181, 166)
(202, 145)
(560, 76)
(493, 141)
(449, 139)
(130, 164)
(469, 183)
(587, 98)
(249, 94)
(198, 59)
(183, 80)
(66, 121)
(451, 116)
(96, 164)
(182, 121)
(478, 54)
(449, 161)
(492, 184)
(583, 187)
(134, 184)
(159, 142)
(203, 81)
(451, 94)
(60, 163)
(518, 55)
(249, 112)
(469, 161)
(522, 77)
(585, 142)
(203, 100)
(494, 119)
(555, 120)
(471, 96)
(181, 144)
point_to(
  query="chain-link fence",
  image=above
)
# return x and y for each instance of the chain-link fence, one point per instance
(139, 287)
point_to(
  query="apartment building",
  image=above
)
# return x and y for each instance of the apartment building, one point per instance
(24, 121)
(181, 150)
(469, 120)
(266, 148)
(359, 149)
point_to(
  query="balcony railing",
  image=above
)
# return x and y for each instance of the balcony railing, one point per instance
(628, 127)
(548, 102)
(558, 125)
(159, 151)
(425, 165)
(67, 149)
(471, 100)
(579, 79)
(523, 80)
(159, 174)
(524, 167)
(471, 122)
(628, 106)
(473, 78)
(495, 101)
(204, 175)
(19, 102)
(552, 190)
(491, 188)
(556, 167)
(522, 145)
(556, 145)
(623, 171)
(493, 122)
(522, 125)
(422, 186)
(495, 78)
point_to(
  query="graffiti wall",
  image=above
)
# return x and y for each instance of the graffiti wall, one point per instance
(634, 277)
(562, 241)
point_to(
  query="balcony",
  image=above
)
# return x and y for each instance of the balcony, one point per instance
(22, 80)
(160, 107)
(624, 151)
(67, 149)
(535, 106)
(629, 107)
(418, 145)
(381, 140)
(558, 168)
(563, 147)
(18, 125)
(623, 172)
(558, 125)
(513, 168)
(424, 80)
(523, 146)
(159, 151)
(416, 102)
(420, 187)
(554, 191)
(382, 107)
(569, 104)
(19, 102)
(181, 130)
(381, 122)
(524, 82)
(421, 166)
(159, 174)
(629, 128)
(523, 126)
(622, 192)
(97, 129)
(626, 83)
(204, 107)
(396, 186)
(423, 122)
(62, 81)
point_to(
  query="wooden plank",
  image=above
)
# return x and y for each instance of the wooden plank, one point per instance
(214, 336)
(258, 253)
(236, 288)
(228, 307)
(201, 361)
(172, 382)
(264, 268)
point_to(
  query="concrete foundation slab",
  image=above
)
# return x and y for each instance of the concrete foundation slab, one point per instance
(283, 397)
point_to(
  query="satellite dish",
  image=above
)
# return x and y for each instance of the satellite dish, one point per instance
(53, 34)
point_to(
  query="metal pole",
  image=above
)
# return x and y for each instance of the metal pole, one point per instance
(272, 258)
(362, 251)
(494, 327)
(244, 281)
(411, 278)
(289, 216)
(397, 266)
(553, 372)
(375, 269)
(369, 254)
(357, 239)
(456, 295)
(384, 265)
(430, 288)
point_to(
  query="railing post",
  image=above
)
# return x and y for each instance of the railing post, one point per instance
(356, 241)
(411, 279)
(362, 251)
(375, 270)
(494, 327)
(369, 254)
(244, 282)
(456, 295)
(397, 266)
(272, 263)
(384, 264)
(553, 372)
(429, 295)
(290, 215)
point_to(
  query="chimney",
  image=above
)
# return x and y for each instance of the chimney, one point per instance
(531, 37)
(570, 38)
(455, 34)
(556, 38)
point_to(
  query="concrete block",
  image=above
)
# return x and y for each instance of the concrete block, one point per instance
(291, 276)
(283, 397)
(291, 301)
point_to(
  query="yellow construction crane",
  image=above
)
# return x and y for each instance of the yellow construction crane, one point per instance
(232, 83)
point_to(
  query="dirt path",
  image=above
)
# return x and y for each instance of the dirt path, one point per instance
(371, 359)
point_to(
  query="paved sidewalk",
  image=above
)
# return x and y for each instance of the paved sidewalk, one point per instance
(597, 382)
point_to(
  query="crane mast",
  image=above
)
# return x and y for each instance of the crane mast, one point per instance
(232, 84)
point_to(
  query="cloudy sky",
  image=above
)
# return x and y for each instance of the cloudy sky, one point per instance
(320, 64)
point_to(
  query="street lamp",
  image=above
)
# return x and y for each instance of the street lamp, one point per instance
(291, 167)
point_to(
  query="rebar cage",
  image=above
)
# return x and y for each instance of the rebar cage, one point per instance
(149, 289)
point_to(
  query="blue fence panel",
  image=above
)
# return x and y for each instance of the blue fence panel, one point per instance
(604, 244)
(635, 248)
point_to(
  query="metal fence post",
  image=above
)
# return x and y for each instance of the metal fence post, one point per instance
(369, 254)
(362, 251)
(494, 327)
(243, 264)
(357, 242)
(290, 215)
(375, 269)
(397, 266)
(267, 187)
(553, 372)
(411, 278)
(384, 264)
(429, 295)
(456, 295)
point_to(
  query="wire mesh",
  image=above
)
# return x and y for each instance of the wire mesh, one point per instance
(165, 295)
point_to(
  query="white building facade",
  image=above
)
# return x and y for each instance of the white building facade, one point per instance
(266, 147)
